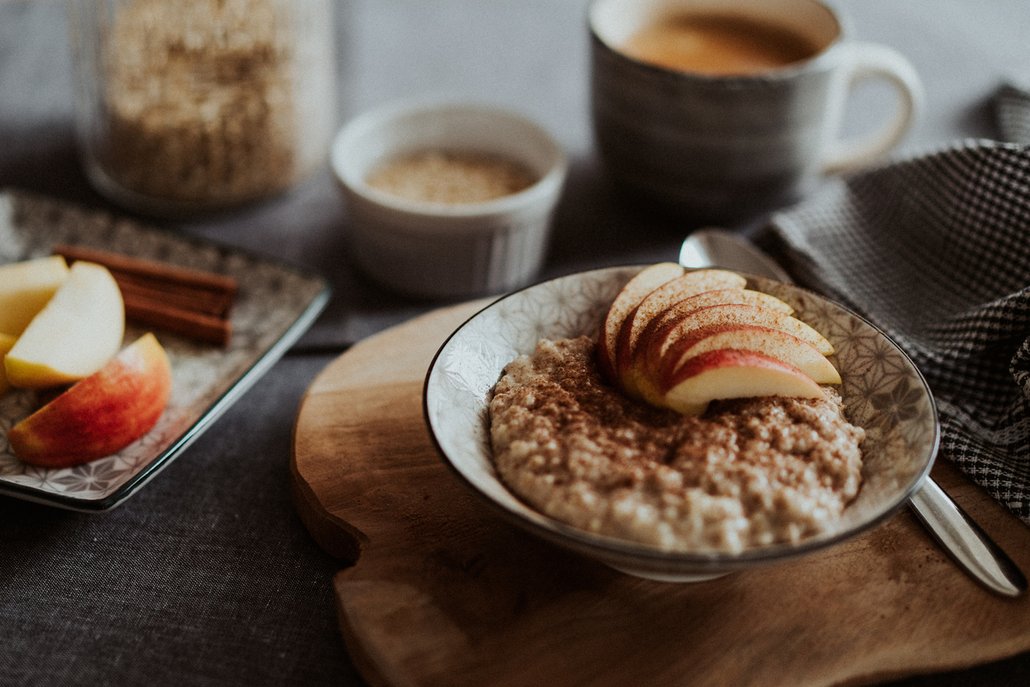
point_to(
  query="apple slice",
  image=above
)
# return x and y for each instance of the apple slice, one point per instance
(78, 331)
(6, 342)
(771, 342)
(714, 297)
(652, 342)
(652, 305)
(643, 283)
(728, 373)
(737, 314)
(101, 414)
(25, 287)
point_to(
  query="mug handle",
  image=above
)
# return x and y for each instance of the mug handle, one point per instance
(870, 61)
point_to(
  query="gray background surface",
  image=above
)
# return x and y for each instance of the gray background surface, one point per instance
(207, 576)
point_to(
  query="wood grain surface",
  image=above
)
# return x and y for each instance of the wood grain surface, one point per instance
(435, 590)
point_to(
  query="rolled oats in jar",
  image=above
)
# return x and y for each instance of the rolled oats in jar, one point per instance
(207, 104)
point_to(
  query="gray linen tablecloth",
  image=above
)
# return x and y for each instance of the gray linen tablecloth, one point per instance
(214, 580)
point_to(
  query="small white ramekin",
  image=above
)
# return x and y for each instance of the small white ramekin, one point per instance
(445, 251)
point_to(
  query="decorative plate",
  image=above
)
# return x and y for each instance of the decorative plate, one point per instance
(882, 391)
(274, 306)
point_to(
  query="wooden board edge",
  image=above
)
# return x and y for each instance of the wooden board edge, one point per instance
(333, 535)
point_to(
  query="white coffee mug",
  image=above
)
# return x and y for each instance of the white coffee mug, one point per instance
(718, 147)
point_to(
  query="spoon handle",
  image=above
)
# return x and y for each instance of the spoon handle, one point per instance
(965, 541)
(967, 544)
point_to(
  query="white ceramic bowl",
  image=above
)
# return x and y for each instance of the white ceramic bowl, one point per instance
(882, 391)
(448, 250)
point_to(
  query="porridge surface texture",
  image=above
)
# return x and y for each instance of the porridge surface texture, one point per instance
(750, 472)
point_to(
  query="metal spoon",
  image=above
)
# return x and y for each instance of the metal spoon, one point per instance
(954, 530)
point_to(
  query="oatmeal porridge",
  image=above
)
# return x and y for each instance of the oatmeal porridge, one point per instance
(749, 472)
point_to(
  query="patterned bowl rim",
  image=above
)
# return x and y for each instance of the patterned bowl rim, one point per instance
(642, 556)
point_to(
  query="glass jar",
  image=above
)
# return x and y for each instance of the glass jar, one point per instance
(184, 107)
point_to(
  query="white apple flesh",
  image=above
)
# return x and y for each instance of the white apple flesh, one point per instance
(25, 288)
(643, 283)
(737, 314)
(6, 342)
(728, 373)
(682, 339)
(101, 414)
(74, 335)
(771, 342)
(656, 302)
(652, 342)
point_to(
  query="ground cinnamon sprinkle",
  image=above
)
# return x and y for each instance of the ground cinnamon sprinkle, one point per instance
(437, 176)
(750, 472)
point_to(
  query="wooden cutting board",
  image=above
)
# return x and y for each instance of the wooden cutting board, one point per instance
(440, 592)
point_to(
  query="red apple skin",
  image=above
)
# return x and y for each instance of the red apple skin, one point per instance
(653, 305)
(731, 373)
(638, 373)
(728, 357)
(100, 414)
(663, 367)
(645, 281)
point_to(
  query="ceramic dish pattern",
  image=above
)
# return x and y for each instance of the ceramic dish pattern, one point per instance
(882, 390)
(275, 304)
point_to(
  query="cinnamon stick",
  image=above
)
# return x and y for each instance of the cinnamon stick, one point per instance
(203, 301)
(150, 269)
(178, 320)
(190, 302)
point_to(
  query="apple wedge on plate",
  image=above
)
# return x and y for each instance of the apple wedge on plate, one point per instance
(682, 340)
(73, 337)
(6, 342)
(77, 331)
(25, 287)
(102, 414)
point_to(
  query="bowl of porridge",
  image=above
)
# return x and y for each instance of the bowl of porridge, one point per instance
(520, 411)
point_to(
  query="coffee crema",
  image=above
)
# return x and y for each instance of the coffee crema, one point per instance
(718, 44)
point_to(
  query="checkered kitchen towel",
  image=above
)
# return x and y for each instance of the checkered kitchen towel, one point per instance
(936, 251)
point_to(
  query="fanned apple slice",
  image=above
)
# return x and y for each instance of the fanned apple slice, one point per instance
(740, 314)
(652, 305)
(78, 331)
(652, 342)
(25, 288)
(643, 283)
(101, 414)
(728, 373)
(774, 343)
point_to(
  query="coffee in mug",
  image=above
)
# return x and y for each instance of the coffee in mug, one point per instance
(718, 44)
(742, 122)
